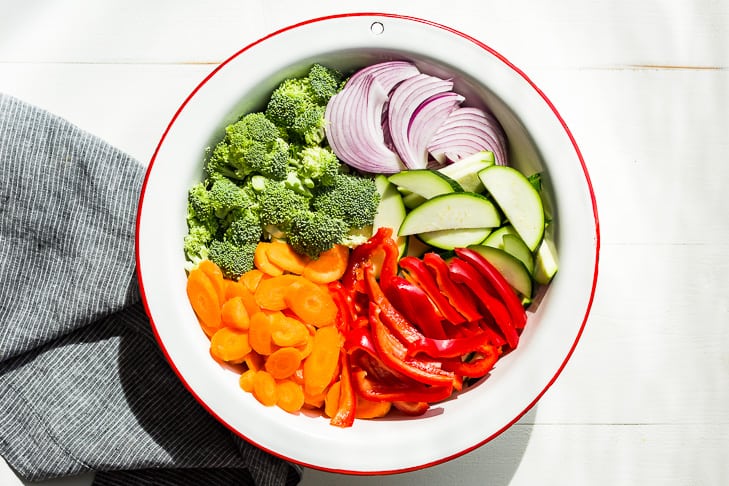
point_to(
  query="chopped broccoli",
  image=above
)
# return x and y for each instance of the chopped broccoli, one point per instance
(277, 204)
(311, 233)
(244, 228)
(226, 196)
(351, 198)
(196, 241)
(234, 260)
(325, 82)
(199, 204)
(316, 165)
(253, 144)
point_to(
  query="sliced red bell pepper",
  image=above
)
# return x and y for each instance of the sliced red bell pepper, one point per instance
(345, 307)
(415, 305)
(458, 299)
(450, 348)
(394, 354)
(420, 275)
(478, 366)
(379, 249)
(464, 273)
(411, 391)
(347, 406)
(505, 291)
(412, 408)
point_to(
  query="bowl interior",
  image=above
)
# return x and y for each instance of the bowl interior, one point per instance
(538, 140)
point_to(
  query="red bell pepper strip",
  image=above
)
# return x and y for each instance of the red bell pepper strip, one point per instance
(464, 273)
(412, 408)
(419, 273)
(393, 353)
(345, 307)
(379, 246)
(347, 406)
(412, 391)
(477, 367)
(415, 305)
(505, 291)
(458, 299)
(451, 348)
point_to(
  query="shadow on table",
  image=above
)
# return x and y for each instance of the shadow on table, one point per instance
(493, 464)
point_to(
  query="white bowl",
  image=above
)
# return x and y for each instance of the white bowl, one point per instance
(539, 140)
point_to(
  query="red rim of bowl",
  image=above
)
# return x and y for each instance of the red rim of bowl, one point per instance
(556, 114)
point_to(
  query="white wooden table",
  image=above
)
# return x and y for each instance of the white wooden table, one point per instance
(644, 87)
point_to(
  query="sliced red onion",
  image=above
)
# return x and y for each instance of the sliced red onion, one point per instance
(466, 131)
(426, 120)
(404, 102)
(354, 118)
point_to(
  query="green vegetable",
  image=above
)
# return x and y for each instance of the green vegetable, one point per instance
(312, 233)
(351, 198)
(233, 260)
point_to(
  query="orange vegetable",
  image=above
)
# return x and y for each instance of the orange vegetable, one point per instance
(305, 349)
(331, 401)
(234, 314)
(253, 360)
(251, 279)
(283, 256)
(290, 396)
(311, 303)
(271, 291)
(230, 345)
(330, 265)
(369, 409)
(315, 400)
(283, 362)
(287, 331)
(246, 380)
(239, 289)
(261, 261)
(204, 300)
(259, 334)
(321, 365)
(264, 388)
(216, 276)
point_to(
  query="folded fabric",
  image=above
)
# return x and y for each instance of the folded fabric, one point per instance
(83, 385)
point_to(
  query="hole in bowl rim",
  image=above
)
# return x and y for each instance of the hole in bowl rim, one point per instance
(493, 53)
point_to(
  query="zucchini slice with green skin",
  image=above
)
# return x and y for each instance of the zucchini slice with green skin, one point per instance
(455, 238)
(390, 212)
(419, 185)
(509, 266)
(518, 200)
(496, 238)
(545, 263)
(457, 210)
(515, 246)
(465, 171)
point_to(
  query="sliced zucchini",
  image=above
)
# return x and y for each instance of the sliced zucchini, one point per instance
(465, 171)
(391, 211)
(420, 185)
(515, 246)
(510, 267)
(519, 201)
(496, 238)
(457, 210)
(545, 263)
(454, 238)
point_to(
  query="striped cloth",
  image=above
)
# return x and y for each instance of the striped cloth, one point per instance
(83, 386)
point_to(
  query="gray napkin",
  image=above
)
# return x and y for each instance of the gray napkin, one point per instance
(83, 385)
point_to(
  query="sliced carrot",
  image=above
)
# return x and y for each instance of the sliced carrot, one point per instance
(321, 365)
(330, 265)
(368, 409)
(239, 289)
(290, 396)
(270, 292)
(288, 331)
(315, 400)
(230, 345)
(283, 256)
(305, 349)
(283, 362)
(259, 334)
(253, 360)
(234, 314)
(251, 279)
(264, 388)
(331, 401)
(245, 381)
(261, 261)
(204, 300)
(298, 375)
(311, 303)
(215, 274)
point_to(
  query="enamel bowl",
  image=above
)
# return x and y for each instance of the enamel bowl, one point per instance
(539, 141)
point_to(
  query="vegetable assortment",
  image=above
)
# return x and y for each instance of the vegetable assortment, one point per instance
(362, 245)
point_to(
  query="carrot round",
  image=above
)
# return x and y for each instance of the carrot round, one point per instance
(251, 279)
(331, 400)
(264, 388)
(253, 360)
(271, 291)
(330, 265)
(283, 256)
(305, 349)
(287, 331)
(321, 365)
(204, 300)
(245, 381)
(369, 409)
(290, 396)
(230, 345)
(233, 314)
(261, 261)
(239, 289)
(311, 303)
(259, 334)
(216, 276)
(283, 362)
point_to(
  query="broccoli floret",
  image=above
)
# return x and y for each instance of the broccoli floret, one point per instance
(277, 204)
(196, 241)
(325, 82)
(317, 165)
(312, 232)
(226, 196)
(294, 107)
(244, 228)
(234, 260)
(253, 144)
(351, 198)
(201, 222)
(199, 204)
